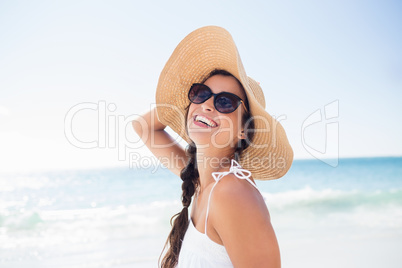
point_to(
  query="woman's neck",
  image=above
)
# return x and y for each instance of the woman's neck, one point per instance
(209, 161)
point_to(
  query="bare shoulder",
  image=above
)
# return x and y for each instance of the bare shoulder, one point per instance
(239, 196)
(240, 217)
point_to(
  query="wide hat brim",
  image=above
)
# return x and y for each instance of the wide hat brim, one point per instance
(270, 155)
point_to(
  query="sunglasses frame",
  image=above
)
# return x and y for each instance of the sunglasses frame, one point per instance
(215, 95)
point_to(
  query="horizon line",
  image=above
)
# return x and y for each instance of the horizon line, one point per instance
(93, 168)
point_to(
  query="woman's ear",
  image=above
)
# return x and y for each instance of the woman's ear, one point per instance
(241, 135)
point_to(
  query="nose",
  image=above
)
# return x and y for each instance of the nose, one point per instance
(208, 105)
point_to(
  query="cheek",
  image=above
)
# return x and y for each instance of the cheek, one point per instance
(229, 125)
(227, 134)
(191, 109)
(231, 121)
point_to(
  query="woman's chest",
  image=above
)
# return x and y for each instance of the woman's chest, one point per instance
(200, 209)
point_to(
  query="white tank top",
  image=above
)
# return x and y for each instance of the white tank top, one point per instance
(197, 249)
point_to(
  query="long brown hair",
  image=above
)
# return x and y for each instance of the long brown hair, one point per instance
(190, 178)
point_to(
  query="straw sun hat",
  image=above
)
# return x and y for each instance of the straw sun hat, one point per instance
(270, 155)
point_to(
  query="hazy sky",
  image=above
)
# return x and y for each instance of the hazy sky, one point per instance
(79, 59)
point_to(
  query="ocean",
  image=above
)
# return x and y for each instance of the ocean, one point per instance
(323, 216)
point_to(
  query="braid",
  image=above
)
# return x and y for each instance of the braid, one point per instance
(189, 176)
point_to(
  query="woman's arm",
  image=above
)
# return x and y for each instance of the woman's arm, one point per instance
(241, 219)
(159, 142)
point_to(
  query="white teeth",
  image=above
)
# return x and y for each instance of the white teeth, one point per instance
(200, 118)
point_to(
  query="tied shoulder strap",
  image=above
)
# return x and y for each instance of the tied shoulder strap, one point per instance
(238, 171)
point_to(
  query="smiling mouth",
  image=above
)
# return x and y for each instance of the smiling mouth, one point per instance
(207, 122)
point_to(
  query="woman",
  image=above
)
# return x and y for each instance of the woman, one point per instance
(205, 96)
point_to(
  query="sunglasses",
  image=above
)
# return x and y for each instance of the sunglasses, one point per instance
(224, 102)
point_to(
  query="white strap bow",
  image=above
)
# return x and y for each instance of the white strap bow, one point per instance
(236, 169)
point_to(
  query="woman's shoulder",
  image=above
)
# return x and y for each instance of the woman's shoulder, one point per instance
(231, 184)
(241, 220)
(237, 196)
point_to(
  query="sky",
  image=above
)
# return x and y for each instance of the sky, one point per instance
(73, 74)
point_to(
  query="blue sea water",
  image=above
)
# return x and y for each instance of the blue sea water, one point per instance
(120, 217)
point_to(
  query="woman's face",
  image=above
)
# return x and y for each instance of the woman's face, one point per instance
(224, 130)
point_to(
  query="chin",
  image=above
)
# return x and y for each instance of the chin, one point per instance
(213, 139)
(199, 138)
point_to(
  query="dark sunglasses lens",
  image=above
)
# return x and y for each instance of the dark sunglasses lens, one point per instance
(226, 103)
(199, 93)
